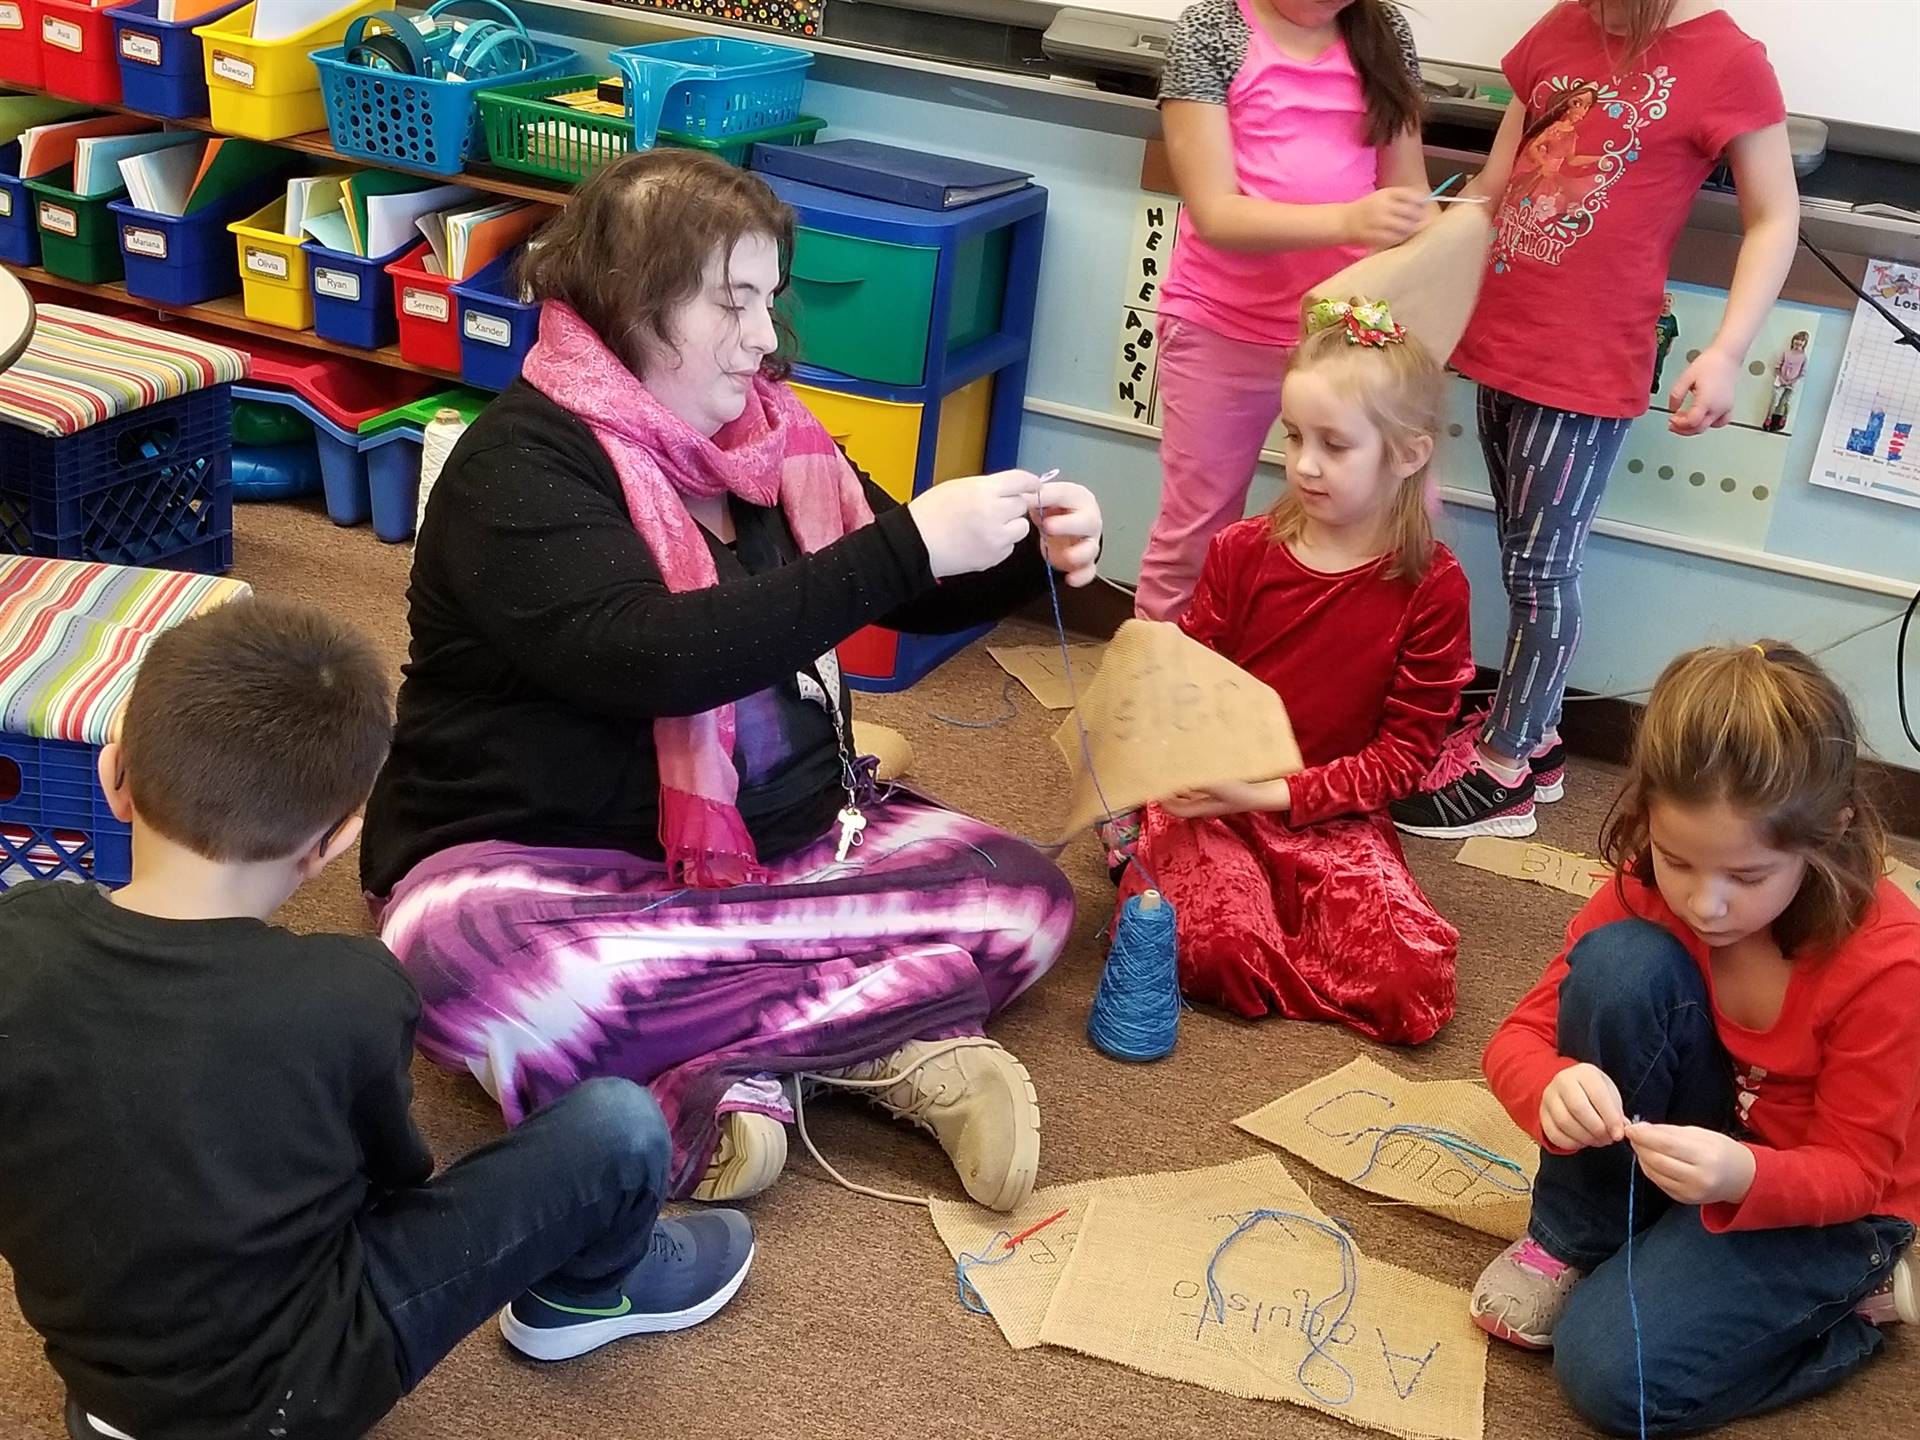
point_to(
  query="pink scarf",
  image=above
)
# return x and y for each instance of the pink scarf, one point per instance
(775, 453)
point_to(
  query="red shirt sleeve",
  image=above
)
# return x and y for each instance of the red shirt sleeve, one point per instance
(1863, 1102)
(1524, 1053)
(1211, 614)
(1746, 98)
(1434, 664)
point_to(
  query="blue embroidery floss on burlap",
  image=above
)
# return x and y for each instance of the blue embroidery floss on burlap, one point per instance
(1482, 1161)
(970, 1298)
(1318, 1339)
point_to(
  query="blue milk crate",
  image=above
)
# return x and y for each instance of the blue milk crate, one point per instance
(151, 487)
(54, 820)
(415, 120)
(182, 259)
(710, 86)
(352, 296)
(160, 66)
(496, 331)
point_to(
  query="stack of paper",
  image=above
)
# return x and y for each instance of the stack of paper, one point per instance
(464, 242)
(229, 166)
(378, 209)
(282, 18)
(18, 112)
(96, 158)
(183, 179)
(172, 12)
(46, 148)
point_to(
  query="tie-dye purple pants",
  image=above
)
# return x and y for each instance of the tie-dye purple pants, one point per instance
(539, 968)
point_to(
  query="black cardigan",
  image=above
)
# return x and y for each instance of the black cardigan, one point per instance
(545, 642)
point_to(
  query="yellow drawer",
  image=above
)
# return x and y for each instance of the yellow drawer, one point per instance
(882, 437)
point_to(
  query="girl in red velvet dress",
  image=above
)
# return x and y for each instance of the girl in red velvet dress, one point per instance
(1292, 894)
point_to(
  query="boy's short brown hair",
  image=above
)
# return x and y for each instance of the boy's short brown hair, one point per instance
(254, 727)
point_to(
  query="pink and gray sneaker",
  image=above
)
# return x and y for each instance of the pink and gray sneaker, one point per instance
(1522, 1295)
(1897, 1301)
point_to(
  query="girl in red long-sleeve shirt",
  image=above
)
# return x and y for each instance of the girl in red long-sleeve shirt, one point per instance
(1734, 1031)
(1292, 895)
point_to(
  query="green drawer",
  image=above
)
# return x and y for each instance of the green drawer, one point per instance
(82, 219)
(862, 307)
(89, 264)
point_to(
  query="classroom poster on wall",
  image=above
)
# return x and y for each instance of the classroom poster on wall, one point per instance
(1868, 445)
(1137, 354)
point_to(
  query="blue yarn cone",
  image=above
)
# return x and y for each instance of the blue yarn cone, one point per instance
(1136, 1010)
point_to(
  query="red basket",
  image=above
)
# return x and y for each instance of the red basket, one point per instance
(427, 311)
(20, 50)
(79, 57)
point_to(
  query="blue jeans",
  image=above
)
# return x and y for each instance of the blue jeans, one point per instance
(1547, 469)
(568, 1199)
(1731, 1324)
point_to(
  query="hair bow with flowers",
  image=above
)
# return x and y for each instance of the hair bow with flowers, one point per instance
(1367, 322)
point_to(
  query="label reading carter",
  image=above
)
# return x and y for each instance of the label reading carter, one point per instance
(58, 218)
(489, 329)
(143, 48)
(424, 303)
(233, 69)
(339, 284)
(63, 33)
(267, 262)
(140, 240)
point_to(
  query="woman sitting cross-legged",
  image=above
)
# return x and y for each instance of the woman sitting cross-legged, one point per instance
(623, 830)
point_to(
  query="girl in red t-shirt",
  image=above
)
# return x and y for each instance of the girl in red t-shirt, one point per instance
(1291, 895)
(1621, 110)
(1741, 1008)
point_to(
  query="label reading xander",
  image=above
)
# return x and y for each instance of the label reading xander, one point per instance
(488, 329)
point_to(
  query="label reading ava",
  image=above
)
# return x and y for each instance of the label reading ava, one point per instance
(338, 284)
(267, 262)
(63, 33)
(424, 303)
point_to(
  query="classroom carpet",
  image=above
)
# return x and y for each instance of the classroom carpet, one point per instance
(848, 1326)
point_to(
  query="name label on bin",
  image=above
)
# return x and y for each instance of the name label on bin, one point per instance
(63, 33)
(58, 218)
(6, 204)
(10, 18)
(144, 48)
(340, 284)
(140, 240)
(489, 329)
(266, 262)
(233, 69)
(425, 303)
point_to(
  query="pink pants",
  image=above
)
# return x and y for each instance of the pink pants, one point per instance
(1218, 401)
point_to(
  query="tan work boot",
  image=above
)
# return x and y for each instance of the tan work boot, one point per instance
(751, 1152)
(978, 1101)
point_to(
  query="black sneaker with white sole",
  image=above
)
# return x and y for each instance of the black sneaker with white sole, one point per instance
(1474, 802)
(1549, 767)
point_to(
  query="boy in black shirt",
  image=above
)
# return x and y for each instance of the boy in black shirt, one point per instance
(219, 1214)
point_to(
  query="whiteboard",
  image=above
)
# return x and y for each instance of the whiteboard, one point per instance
(1854, 60)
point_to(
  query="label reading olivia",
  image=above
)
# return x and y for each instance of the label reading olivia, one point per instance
(58, 218)
(233, 69)
(141, 240)
(267, 262)
(10, 18)
(424, 303)
(340, 284)
(63, 33)
(143, 48)
(489, 329)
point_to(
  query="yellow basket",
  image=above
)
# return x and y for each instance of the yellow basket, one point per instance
(269, 89)
(273, 269)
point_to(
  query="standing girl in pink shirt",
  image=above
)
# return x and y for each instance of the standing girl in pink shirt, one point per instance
(1293, 128)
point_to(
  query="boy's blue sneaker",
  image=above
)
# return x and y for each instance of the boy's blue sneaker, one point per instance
(692, 1269)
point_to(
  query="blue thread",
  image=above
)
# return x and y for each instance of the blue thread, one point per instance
(1456, 1145)
(970, 1298)
(1633, 1303)
(1136, 1010)
(1349, 1291)
(1008, 710)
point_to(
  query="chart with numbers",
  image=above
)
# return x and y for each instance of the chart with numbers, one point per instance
(1869, 446)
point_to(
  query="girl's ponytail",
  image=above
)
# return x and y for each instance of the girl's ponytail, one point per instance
(1380, 53)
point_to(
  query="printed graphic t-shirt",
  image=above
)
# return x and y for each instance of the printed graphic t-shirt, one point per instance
(1299, 137)
(1602, 186)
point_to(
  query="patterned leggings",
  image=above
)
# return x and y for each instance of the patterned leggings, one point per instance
(1548, 470)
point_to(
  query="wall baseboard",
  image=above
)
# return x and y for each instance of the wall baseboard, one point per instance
(1597, 729)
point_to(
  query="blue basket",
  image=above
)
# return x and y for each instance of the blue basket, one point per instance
(150, 487)
(160, 66)
(54, 820)
(364, 477)
(496, 331)
(710, 86)
(19, 236)
(414, 120)
(352, 296)
(182, 259)
(393, 480)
